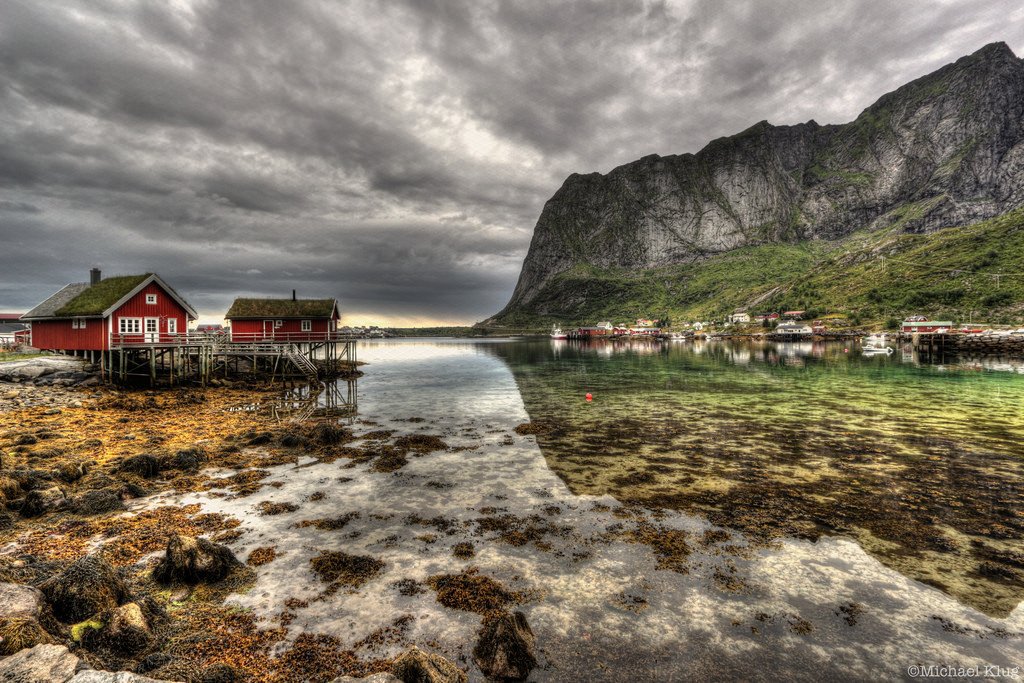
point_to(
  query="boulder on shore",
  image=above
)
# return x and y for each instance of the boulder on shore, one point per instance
(42, 663)
(504, 650)
(20, 602)
(55, 664)
(417, 666)
(383, 677)
(92, 676)
(88, 586)
(21, 608)
(194, 560)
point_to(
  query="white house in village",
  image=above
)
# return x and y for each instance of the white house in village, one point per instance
(739, 317)
(794, 329)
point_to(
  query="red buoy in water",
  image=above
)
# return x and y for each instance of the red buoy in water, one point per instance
(590, 397)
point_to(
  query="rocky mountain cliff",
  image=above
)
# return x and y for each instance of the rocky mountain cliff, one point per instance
(944, 150)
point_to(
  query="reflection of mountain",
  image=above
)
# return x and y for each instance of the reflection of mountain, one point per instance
(920, 467)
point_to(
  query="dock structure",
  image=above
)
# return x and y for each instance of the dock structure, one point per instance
(938, 345)
(204, 357)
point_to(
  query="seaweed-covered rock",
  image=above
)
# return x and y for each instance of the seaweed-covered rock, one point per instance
(143, 464)
(88, 586)
(291, 440)
(97, 502)
(40, 663)
(70, 472)
(218, 673)
(329, 434)
(416, 666)
(504, 649)
(187, 460)
(194, 560)
(9, 487)
(41, 501)
(18, 633)
(126, 630)
(7, 520)
(27, 569)
(91, 676)
(257, 439)
(153, 662)
(31, 479)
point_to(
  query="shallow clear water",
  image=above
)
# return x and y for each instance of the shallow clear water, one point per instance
(837, 509)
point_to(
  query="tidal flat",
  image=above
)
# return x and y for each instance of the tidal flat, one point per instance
(726, 511)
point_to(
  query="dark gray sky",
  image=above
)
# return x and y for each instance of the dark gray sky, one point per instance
(393, 154)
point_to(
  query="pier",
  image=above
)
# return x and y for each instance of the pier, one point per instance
(203, 357)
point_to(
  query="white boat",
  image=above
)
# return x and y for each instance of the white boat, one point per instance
(556, 333)
(874, 345)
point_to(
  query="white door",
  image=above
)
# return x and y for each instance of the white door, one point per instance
(152, 330)
(268, 329)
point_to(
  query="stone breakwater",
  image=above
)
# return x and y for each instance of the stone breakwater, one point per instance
(1008, 345)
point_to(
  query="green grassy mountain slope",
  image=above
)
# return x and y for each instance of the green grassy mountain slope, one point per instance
(871, 276)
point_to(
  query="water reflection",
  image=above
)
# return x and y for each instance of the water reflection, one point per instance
(335, 401)
(920, 464)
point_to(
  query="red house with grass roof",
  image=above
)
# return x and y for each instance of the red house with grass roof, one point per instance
(106, 313)
(283, 320)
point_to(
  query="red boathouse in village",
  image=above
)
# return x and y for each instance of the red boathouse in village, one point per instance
(283, 320)
(107, 313)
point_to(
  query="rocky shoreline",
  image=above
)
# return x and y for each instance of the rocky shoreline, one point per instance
(98, 586)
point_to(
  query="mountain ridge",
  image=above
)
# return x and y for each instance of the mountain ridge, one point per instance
(944, 150)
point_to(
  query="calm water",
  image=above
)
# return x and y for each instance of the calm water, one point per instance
(717, 510)
(922, 464)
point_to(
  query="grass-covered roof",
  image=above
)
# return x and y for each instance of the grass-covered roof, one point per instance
(99, 297)
(281, 308)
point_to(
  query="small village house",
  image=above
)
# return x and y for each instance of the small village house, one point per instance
(104, 313)
(793, 329)
(793, 315)
(288, 320)
(739, 317)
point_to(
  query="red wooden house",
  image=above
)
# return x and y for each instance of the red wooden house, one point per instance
(106, 313)
(288, 320)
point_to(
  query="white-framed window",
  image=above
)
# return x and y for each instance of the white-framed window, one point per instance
(307, 325)
(151, 298)
(172, 326)
(78, 323)
(129, 325)
(152, 325)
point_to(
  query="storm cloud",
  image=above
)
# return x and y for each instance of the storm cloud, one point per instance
(395, 155)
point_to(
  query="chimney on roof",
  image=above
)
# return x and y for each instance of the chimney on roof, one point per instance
(94, 276)
(293, 295)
